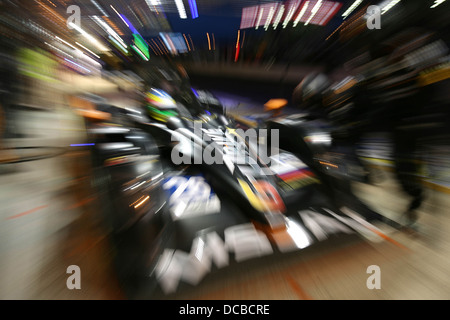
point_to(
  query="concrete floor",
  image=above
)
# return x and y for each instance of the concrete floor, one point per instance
(48, 223)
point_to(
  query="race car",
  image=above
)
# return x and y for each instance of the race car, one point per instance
(186, 192)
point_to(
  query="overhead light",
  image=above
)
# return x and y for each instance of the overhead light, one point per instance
(181, 9)
(388, 6)
(193, 6)
(314, 11)
(261, 11)
(351, 8)
(293, 5)
(269, 17)
(302, 12)
(278, 17)
(436, 3)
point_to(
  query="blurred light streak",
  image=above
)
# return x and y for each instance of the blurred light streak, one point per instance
(89, 37)
(120, 16)
(301, 13)
(108, 29)
(388, 6)
(436, 3)
(52, 12)
(259, 18)
(128, 23)
(113, 25)
(139, 52)
(65, 42)
(237, 46)
(293, 6)
(27, 212)
(181, 9)
(157, 47)
(314, 10)
(99, 8)
(194, 10)
(76, 64)
(119, 45)
(209, 41)
(351, 8)
(82, 144)
(269, 18)
(168, 42)
(98, 57)
(141, 202)
(278, 17)
(192, 43)
(187, 43)
(59, 50)
(51, 3)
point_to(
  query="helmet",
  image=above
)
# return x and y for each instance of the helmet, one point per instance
(160, 105)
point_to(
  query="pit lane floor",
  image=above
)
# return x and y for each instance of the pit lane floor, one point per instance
(48, 223)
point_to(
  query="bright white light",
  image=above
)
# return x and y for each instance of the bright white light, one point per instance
(181, 9)
(89, 37)
(152, 4)
(108, 29)
(88, 50)
(351, 8)
(436, 3)
(119, 16)
(123, 48)
(76, 64)
(139, 52)
(59, 50)
(302, 12)
(269, 18)
(298, 234)
(99, 8)
(278, 18)
(314, 11)
(389, 6)
(65, 42)
(259, 18)
(292, 9)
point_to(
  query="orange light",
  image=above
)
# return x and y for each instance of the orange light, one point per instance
(274, 104)
(209, 41)
(141, 202)
(328, 164)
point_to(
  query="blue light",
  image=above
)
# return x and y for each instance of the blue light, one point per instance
(132, 28)
(193, 6)
(82, 144)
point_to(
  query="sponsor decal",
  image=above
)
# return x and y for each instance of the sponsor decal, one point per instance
(190, 196)
(293, 173)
